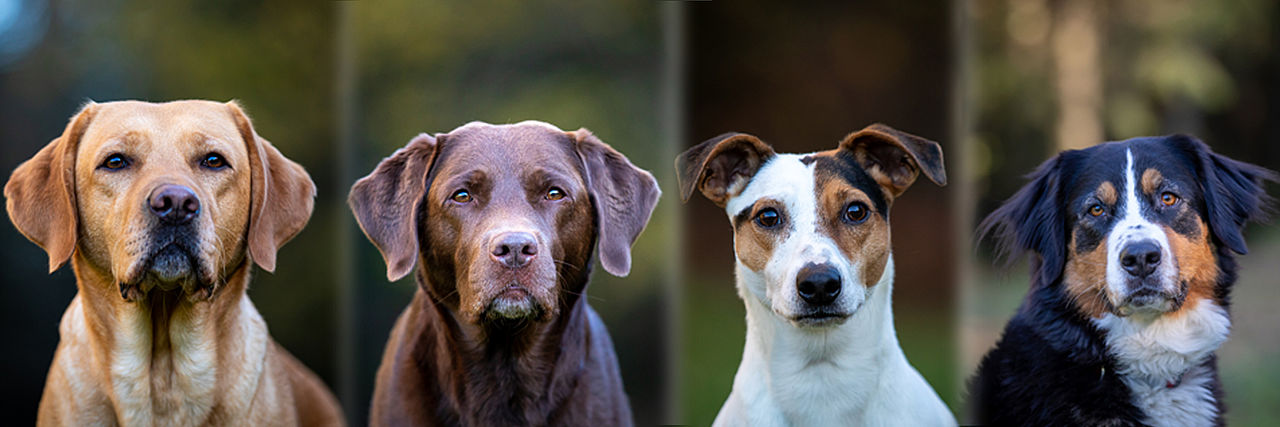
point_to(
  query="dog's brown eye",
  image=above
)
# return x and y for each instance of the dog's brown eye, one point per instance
(856, 212)
(461, 196)
(768, 218)
(555, 194)
(1169, 199)
(1097, 210)
(214, 161)
(115, 162)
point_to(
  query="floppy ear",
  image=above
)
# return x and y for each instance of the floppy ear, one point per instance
(720, 167)
(1234, 193)
(41, 194)
(895, 158)
(282, 194)
(386, 203)
(623, 195)
(1032, 220)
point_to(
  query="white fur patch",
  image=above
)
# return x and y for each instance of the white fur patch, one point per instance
(1132, 226)
(1153, 352)
(853, 373)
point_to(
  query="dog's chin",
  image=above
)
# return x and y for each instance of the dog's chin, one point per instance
(1147, 301)
(169, 269)
(819, 319)
(513, 307)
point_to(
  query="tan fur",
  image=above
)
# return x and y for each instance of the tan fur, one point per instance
(1197, 266)
(1085, 276)
(1106, 192)
(867, 244)
(1151, 180)
(144, 355)
(753, 244)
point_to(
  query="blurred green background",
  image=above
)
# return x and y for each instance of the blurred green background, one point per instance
(1001, 84)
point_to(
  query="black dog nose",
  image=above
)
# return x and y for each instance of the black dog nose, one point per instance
(514, 249)
(1140, 258)
(174, 204)
(818, 284)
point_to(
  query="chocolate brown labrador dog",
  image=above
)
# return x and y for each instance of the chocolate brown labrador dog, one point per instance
(159, 208)
(502, 220)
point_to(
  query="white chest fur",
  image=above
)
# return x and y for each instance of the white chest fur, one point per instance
(180, 384)
(852, 374)
(1155, 353)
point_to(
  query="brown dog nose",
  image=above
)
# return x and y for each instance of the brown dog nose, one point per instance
(514, 249)
(174, 204)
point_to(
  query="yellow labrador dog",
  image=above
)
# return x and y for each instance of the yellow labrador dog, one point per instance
(159, 208)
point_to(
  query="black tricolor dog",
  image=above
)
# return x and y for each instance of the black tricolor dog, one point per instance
(1133, 264)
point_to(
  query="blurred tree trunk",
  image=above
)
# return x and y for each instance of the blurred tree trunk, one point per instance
(1076, 50)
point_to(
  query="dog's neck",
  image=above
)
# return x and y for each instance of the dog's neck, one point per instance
(163, 351)
(860, 348)
(508, 377)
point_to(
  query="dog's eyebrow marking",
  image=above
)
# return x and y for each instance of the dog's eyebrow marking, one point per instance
(1107, 193)
(1151, 180)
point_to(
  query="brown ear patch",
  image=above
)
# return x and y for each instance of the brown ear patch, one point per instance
(40, 195)
(721, 167)
(1085, 279)
(866, 243)
(753, 244)
(895, 158)
(1197, 265)
(1107, 193)
(1151, 180)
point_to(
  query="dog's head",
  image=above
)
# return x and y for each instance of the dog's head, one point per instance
(505, 217)
(811, 231)
(160, 196)
(1134, 227)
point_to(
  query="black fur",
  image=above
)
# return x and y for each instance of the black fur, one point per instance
(1052, 366)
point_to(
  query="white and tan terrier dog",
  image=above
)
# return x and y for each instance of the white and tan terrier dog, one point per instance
(814, 267)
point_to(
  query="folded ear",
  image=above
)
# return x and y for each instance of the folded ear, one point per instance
(1235, 193)
(41, 194)
(1032, 220)
(386, 203)
(623, 196)
(283, 194)
(895, 158)
(720, 167)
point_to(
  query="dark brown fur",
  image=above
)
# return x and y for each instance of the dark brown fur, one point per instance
(449, 361)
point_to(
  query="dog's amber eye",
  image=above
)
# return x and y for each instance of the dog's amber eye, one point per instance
(555, 194)
(768, 218)
(214, 161)
(461, 196)
(1169, 199)
(115, 162)
(856, 212)
(1097, 210)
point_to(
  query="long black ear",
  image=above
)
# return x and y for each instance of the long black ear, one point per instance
(1032, 220)
(1234, 193)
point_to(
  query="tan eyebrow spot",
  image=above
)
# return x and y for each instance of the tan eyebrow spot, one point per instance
(1107, 193)
(1151, 180)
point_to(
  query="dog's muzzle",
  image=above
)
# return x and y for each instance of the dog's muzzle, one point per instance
(1145, 290)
